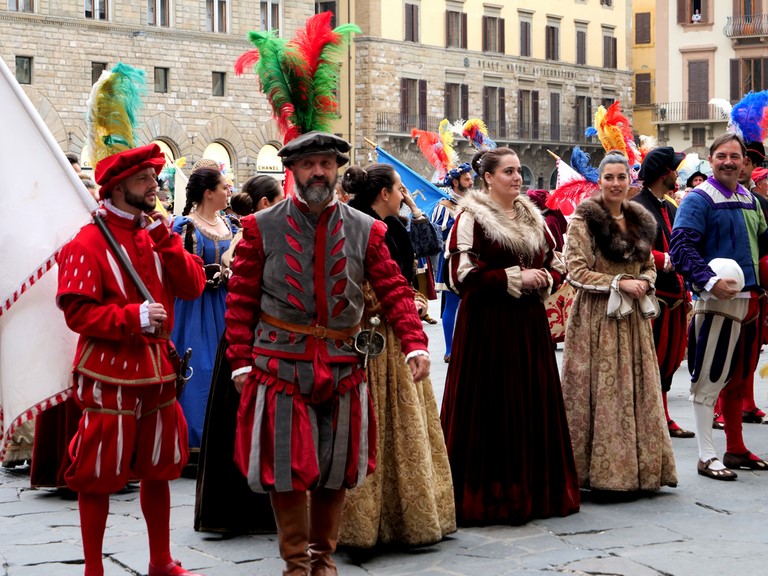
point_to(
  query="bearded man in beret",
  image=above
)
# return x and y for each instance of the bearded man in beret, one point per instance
(295, 303)
(125, 367)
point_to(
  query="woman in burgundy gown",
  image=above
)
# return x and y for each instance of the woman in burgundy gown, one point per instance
(503, 415)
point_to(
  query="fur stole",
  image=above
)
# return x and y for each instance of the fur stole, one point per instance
(523, 234)
(632, 245)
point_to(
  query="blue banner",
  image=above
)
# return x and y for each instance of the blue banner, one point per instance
(425, 194)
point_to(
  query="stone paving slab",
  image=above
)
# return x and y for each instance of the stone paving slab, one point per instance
(701, 528)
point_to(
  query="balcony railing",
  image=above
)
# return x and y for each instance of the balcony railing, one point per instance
(672, 112)
(395, 123)
(746, 26)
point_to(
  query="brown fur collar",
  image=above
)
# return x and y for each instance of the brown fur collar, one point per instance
(523, 234)
(632, 245)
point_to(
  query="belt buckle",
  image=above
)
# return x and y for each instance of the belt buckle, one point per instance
(319, 332)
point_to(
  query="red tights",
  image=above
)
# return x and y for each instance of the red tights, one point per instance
(730, 402)
(155, 498)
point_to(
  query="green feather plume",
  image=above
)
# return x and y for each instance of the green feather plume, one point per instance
(113, 111)
(300, 77)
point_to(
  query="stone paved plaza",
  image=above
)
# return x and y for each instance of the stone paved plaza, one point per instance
(702, 527)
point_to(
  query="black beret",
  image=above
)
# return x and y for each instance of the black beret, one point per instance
(315, 143)
(755, 152)
(689, 182)
(658, 162)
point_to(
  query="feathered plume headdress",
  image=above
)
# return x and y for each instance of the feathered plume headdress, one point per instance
(615, 132)
(575, 183)
(476, 132)
(113, 111)
(749, 117)
(299, 77)
(437, 148)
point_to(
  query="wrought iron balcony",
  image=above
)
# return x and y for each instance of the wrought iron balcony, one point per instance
(746, 26)
(675, 112)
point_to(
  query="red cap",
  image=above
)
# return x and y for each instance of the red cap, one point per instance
(758, 174)
(113, 169)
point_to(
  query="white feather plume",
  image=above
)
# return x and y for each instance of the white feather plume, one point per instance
(723, 106)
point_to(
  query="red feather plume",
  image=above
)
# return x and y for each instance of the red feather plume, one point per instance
(568, 196)
(246, 61)
(431, 146)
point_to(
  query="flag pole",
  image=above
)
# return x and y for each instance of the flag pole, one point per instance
(370, 143)
(555, 156)
(98, 219)
(82, 191)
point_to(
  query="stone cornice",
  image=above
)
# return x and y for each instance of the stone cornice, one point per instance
(501, 61)
(113, 28)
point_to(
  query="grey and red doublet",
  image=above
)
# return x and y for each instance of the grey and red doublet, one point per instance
(306, 417)
(124, 377)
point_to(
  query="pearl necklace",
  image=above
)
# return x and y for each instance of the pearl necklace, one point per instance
(215, 221)
(619, 217)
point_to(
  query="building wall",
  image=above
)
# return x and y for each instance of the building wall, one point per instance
(382, 60)
(644, 62)
(683, 43)
(188, 118)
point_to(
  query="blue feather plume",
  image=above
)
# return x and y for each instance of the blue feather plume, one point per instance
(748, 113)
(580, 163)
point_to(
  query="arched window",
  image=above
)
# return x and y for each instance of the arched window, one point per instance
(216, 151)
(527, 177)
(170, 155)
(268, 162)
(553, 180)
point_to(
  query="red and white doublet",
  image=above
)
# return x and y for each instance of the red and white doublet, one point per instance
(306, 416)
(124, 376)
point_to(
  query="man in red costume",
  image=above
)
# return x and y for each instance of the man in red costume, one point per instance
(124, 368)
(295, 304)
(659, 175)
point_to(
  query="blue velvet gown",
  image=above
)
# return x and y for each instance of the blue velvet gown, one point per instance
(199, 324)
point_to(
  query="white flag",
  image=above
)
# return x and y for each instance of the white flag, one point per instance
(42, 205)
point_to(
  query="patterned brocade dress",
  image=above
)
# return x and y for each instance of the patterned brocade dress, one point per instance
(611, 383)
(409, 497)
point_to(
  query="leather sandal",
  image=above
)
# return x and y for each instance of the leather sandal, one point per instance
(676, 432)
(704, 470)
(752, 417)
(746, 461)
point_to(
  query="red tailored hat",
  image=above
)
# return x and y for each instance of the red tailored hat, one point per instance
(113, 169)
(758, 174)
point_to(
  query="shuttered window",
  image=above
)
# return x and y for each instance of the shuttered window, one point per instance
(525, 38)
(411, 23)
(643, 28)
(553, 43)
(698, 89)
(581, 46)
(642, 88)
(455, 29)
(554, 116)
(609, 52)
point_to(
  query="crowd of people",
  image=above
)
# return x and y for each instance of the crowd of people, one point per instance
(308, 404)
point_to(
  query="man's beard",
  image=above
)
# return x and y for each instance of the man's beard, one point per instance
(317, 190)
(138, 201)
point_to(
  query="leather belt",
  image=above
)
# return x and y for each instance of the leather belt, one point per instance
(670, 303)
(319, 332)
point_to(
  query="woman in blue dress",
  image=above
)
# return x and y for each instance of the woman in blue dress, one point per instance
(199, 323)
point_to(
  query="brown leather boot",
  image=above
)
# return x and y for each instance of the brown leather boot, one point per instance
(325, 507)
(292, 521)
